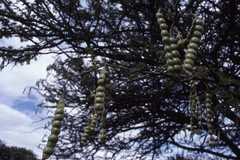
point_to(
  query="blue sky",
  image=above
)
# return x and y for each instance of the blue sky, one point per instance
(18, 120)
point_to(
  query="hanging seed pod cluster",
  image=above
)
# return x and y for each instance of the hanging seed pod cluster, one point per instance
(172, 55)
(55, 131)
(193, 47)
(99, 109)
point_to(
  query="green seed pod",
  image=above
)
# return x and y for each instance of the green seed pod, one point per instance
(56, 124)
(199, 28)
(176, 60)
(55, 131)
(190, 56)
(170, 69)
(101, 81)
(166, 40)
(191, 51)
(195, 40)
(173, 46)
(163, 26)
(187, 66)
(58, 117)
(167, 48)
(47, 152)
(189, 61)
(164, 33)
(88, 130)
(199, 22)
(100, 89)
(99, 100)
(197, 34)
(100, 94)
(161, 20)
(175, 53)
(169, 55)
(59, 111)
(170, 62)
(159, 14)
(102, 135)
(193, 46)
(53, 139)
(177, 67)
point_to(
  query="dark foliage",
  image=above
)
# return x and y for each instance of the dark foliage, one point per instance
(15, 153)
(147, 109)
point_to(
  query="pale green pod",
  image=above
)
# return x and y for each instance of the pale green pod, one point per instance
(159, 14)
(58, 117)
(166, 40)
(165, 33)
(191, 51)
(161, 21)
(189, 61)
(100, 94)
(163, 26)
(177, 67)
(167, 48)
(101, 81)
(53, 138)
(55, 131)
(99, 100)
(187, 66)
(199, 28)
(175, 53)
(195, 40)
(47, 152)
(193, 46)
(197, 34)
(170, 68)
(176, 60)
(170, 62)
(199, 22)
(56, 124)
(169, 55)
(100, 89)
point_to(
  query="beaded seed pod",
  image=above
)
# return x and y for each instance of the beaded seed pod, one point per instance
(170, 47)
(98, 107)
(55, 131)
(210, 118)
(193, 46)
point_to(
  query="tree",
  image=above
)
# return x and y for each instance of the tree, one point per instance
(149, 108)
(15, 153)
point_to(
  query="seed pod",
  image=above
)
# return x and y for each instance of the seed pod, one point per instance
(55, 131)
(170, 69)
(193, 46)
(100, 94)
(166, 40)
(99, 100)
(176, 60)
(169, 55)
(165, 33)
(163, 26)
(177, 67)
(195, 40)
(167, 48)
(102, 135)
(197, 34)
(190, 56)
(58, 117)
(199, 28)
(100, 89)
(189, 61)
(56, 125)
(100, 81)
(187, 66)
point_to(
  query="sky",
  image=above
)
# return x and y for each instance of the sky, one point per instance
(19, 121)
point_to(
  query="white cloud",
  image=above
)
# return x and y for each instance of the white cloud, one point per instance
(18, 129)
(14, 79)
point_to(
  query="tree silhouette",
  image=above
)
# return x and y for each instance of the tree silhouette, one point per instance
(148, 109)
